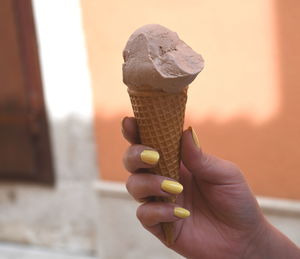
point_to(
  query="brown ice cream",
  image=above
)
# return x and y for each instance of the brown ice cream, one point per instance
(156, 59)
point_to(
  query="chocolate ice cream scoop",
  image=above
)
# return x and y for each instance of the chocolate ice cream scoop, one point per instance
(155, 59)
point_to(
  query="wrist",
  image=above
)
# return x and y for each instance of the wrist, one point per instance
(268, 242)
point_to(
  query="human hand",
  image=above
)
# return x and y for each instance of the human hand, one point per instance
(225, 220)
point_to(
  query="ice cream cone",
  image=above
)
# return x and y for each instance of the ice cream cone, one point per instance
(160, 119)
(158, 66)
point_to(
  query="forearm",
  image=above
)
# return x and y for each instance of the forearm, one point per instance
(271, 243)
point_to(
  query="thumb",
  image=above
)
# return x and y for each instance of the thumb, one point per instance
(205, 167)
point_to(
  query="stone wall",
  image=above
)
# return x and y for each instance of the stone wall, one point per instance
(62, 217)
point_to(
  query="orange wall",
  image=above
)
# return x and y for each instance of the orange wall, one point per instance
(244, 105)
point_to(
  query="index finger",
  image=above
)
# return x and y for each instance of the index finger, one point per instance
(130, 130)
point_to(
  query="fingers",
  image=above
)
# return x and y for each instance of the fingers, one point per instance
(142, 186)
(136, 156)
(139, 156)
(130, 130)
(153, 213)
(206, 167)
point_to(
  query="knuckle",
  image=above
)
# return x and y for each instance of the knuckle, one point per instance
(130, 158)
(157, 213)
(130, 153)
(130, 184)
(126, 157)
(210, 162)
(233, 168)
(140, 212)
(207, 162)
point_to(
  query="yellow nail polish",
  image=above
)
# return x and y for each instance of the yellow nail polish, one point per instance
(181, 213)
(171, 187)
(195, 137)
(150, 157)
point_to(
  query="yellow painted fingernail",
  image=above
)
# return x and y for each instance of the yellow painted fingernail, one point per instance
(181, 213)
(150, 157)
(171, 187)
(195, 137)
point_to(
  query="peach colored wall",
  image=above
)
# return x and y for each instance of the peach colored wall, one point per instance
(244, 105)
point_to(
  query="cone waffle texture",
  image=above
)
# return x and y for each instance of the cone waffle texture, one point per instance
(160, 118)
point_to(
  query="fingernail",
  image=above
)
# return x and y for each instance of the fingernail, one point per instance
(171, 187)
(150, 157)
(195, 138)
(181, 213)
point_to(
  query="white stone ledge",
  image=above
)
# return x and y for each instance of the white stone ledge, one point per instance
(269, 205)
(279, 206)
(14, 251)
(111, 189)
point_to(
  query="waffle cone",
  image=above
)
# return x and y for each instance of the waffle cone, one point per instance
(160, 119)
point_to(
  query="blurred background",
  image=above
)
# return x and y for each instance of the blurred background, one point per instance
(62, 99)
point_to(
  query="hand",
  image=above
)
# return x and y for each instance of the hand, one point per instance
(225, 220)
